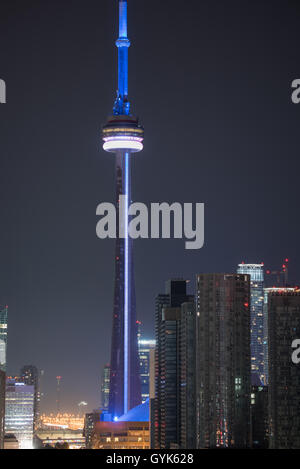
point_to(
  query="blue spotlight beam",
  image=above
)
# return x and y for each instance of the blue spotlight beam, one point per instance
(127, 292)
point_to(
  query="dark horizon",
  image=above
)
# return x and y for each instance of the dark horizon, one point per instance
(211, 84)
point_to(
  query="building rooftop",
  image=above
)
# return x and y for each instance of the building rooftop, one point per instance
(139, 413)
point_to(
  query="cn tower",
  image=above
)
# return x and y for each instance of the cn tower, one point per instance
(123, 136)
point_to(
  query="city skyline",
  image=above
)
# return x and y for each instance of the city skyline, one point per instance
(58, 277)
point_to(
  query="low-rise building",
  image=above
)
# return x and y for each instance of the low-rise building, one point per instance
(131, 431)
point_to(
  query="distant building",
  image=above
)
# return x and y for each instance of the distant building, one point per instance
(105, 386)
(19, 412)
(259, 417)
(2, 407)
(89, 426)
(30, 376)
(167, 416)
(284, 375)
(10, 441)
(70, 421)
(145, 347)
(223, 361)
(256, 272)
(131, 431)
(3, 336)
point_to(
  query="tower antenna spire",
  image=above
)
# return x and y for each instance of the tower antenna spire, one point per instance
(122, 106)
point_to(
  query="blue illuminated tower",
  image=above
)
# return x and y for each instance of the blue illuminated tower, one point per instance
(123, 136)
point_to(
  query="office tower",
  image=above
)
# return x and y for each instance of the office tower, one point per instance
(265, 310)
(3, 336)
(152, 373)
(105, 383)
(145, 347)
(167, 394)
(30, 376)
(152, 398)
(284, 375)
(223, 361)
(256, 272)
(19, 412)
(3, 347)
(2, 407)
(259, 417)
(89, 426)
(187, 376)
(123, 136)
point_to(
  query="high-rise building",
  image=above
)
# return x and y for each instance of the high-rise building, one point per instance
(223, 361)
(256, 272)
(266, 353)
(3, 347)
(284, 375)
(105, 384)
(123, 136)
(3, 337)
(145, 347)
(2, 407)
(259, 417)
(30, 376)
(187, 375)
(167, 364)
(152, 397)
(90, 421)
(19, 412)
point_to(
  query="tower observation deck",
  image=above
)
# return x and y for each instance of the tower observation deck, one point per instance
(123, 135)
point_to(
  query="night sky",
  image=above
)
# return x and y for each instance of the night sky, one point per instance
(211, 82)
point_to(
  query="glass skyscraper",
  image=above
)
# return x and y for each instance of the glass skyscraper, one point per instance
(256, 272)
(145, 347)
(2, 407)
(19, 412)
(3, 343)
(30, 376)
(166, 420)
(105, 383)
(3, 337)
